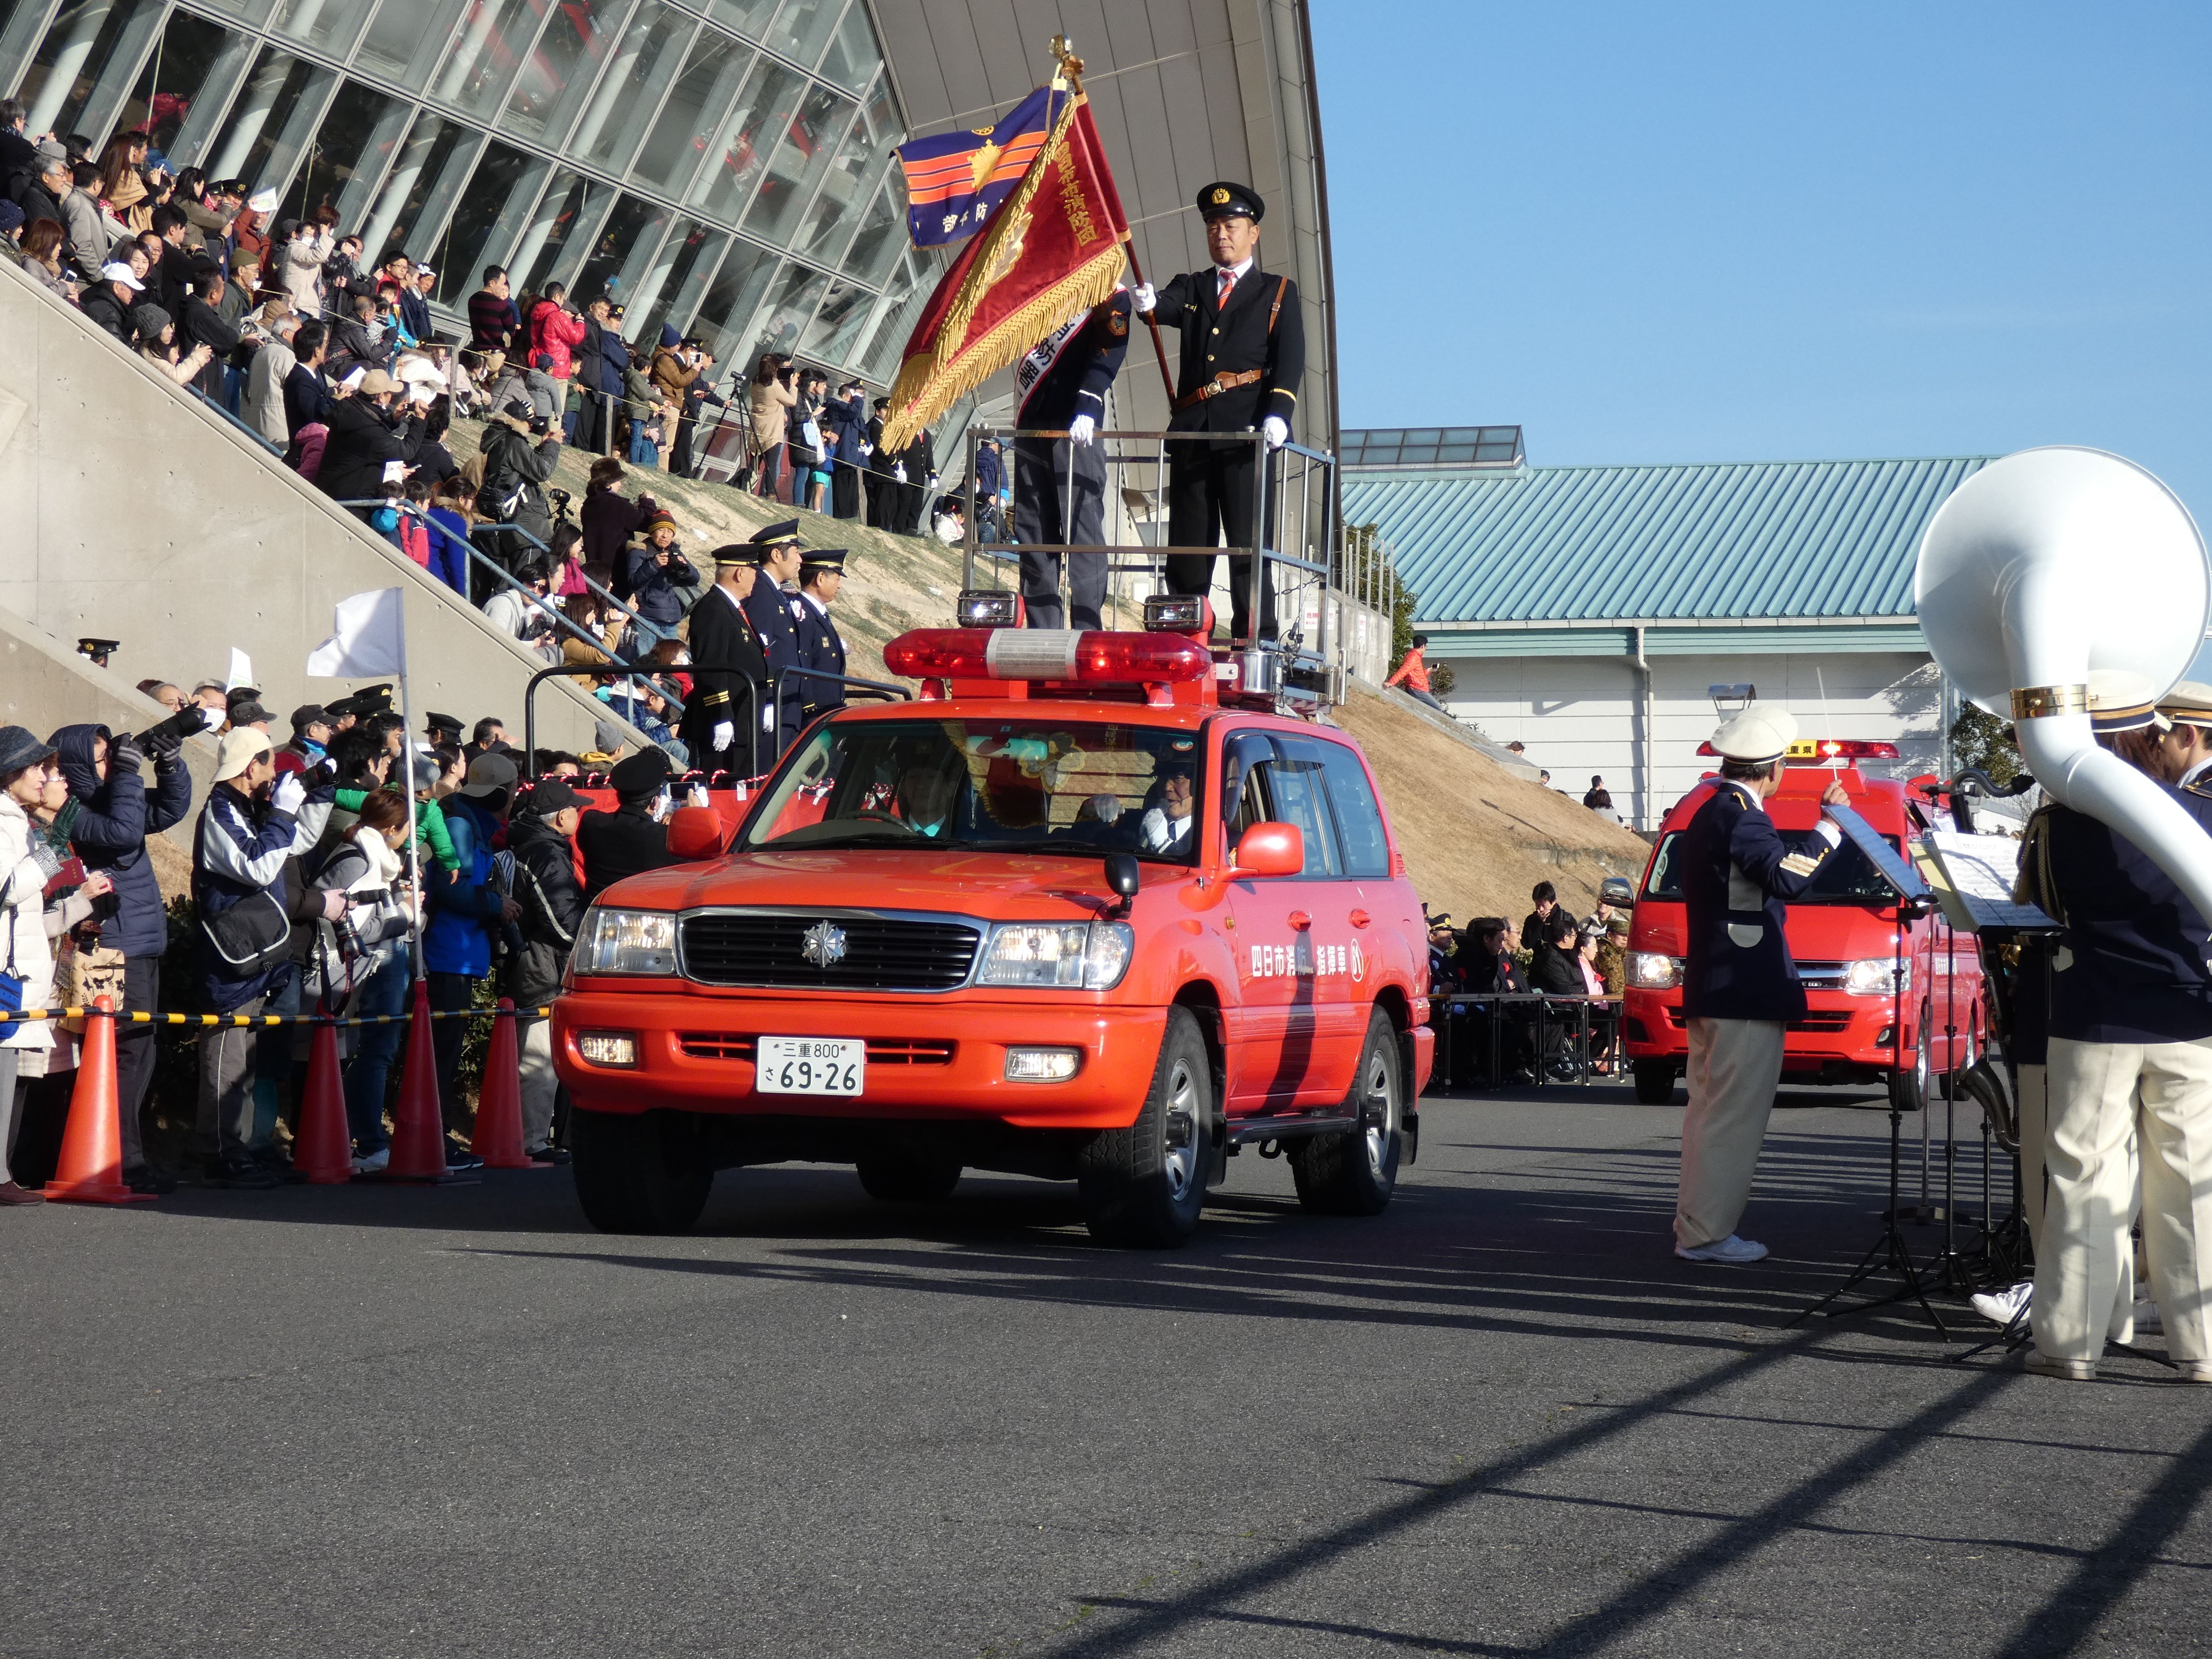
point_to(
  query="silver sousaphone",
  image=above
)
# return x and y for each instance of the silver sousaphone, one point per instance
(2044, 566)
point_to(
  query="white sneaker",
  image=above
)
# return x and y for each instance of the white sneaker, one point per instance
(2002, 1307)
(374, 1164)
(1732, 1252)
(2147, 1317)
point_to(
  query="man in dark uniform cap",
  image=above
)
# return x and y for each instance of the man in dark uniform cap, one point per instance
(1739, 987)
(441, 728)
(629, 839)
(2129, 1070)
(1060, 483)
(720, 718)
(1243, 355)
(821, 573)
(768, 607)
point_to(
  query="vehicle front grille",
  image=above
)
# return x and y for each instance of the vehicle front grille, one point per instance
(1822, 976)
(881, 953)
(882, 1051)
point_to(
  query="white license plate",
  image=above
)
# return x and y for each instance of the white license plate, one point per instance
(811, 1066)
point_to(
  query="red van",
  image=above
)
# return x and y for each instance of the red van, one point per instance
(1844, 937)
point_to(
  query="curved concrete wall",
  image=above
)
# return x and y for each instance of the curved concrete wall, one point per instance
(136, 514)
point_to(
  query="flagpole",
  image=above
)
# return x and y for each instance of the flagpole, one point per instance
(407, 792)
(1159, 349)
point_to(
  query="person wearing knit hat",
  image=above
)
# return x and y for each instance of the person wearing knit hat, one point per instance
(1739, 987)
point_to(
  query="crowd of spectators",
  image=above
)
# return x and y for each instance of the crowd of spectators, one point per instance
(306, 898)
(1576, 967)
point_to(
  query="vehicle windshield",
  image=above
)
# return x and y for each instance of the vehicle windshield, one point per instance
(1847, 878)
(1028, 785)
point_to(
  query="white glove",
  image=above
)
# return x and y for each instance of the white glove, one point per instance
(1082, 430)
(288, 794)
(695, 795)
(724, 735)
(1278, 430)
(1143, 299)
(898, 472)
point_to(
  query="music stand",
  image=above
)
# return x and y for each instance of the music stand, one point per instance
(1889, 1253)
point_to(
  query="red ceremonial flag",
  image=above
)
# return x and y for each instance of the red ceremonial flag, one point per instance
(1052, 248)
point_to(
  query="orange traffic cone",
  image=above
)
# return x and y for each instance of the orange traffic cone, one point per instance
(91, 1167)
(323, 1152)
(419, 1130)
(498, 1139)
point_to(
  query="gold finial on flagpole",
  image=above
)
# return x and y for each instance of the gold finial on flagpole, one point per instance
(1071, 67)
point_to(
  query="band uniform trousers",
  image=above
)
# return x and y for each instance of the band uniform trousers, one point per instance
(1059, 498)
(844, 489)
(1209, 503)
(2032, 1105)
(1735, 1067)
(227, 1056)
(2114, 1105)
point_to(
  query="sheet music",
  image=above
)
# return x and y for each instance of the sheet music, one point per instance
(1981, 871)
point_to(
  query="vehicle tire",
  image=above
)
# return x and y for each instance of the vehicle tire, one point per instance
(891, 1179)
(1355, 1172)
(1655, 1082)
(1144, 1185)
(1908, 1089)
(638, 1172)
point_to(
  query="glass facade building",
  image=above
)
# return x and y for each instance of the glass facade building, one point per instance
(722, 164)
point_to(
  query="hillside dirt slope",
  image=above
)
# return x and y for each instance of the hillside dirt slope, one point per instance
(1476, 840)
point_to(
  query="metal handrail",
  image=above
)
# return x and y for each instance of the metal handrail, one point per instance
(645, 624)
(249, 429)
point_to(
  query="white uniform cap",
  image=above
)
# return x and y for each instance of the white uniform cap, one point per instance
(1762, 733)
(2190, 700)
(2121, 699)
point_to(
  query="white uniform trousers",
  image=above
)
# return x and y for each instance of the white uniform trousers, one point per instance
(2033, 1104)
(2112, 1104)
(1735, 1066)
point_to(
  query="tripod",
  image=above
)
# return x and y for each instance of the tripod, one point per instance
(1889, 1253)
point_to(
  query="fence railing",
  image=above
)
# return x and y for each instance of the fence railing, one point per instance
(1480, 1026)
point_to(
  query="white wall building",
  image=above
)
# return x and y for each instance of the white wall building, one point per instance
(1585, 612)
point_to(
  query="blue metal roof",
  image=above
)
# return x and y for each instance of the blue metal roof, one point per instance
(1772, 539)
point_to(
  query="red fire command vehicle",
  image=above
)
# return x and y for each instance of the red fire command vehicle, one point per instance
(1843, 936)
(1083, 910)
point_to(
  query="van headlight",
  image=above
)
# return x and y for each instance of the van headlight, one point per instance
(1089, 956)
(1869, 976)
(626, 942)
(1649, 970)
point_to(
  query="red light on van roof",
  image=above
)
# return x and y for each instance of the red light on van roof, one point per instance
(1105, 657)
(1826, 749)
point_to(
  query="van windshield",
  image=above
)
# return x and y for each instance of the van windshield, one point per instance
(1024, 785)
(1848, 876)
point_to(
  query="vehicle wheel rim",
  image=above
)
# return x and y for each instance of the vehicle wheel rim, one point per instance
(1376, 1108)
(1179, 1126)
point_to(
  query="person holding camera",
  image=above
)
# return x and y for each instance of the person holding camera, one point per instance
(115, 814)
(661, 583)
(517, 617)
(772, 398)
(520, 450)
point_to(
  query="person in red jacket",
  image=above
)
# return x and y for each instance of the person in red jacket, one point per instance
(556, 331)
(1412, 675)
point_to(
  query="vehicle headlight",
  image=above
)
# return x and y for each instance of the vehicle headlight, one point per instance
(1869, 976)
(1649, 970)
(626, 942)
(1089, 955)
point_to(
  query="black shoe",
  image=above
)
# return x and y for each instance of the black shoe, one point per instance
(460, 1158)
(549, 1155)
(150, 1180)
(241, 1174)
(273, 1160)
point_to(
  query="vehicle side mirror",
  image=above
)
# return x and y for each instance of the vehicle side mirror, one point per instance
(1122, 875)
(694, 834)
(1268, 849)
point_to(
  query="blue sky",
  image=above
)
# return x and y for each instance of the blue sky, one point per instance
(1711, 231)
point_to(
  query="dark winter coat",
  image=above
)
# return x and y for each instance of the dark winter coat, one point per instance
(552, 907)
(362, 438)
(114, 817)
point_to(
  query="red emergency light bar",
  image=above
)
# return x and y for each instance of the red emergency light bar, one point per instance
(1102, 657)
(1828, 749)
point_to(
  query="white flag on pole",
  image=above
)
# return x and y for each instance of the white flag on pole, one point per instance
(241, 670)
(369, 637)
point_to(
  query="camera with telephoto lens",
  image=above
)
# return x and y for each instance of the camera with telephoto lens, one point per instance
(187, 722)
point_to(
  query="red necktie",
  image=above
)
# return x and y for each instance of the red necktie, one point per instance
(1228, 281)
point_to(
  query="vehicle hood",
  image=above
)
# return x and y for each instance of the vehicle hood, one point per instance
(995, 886)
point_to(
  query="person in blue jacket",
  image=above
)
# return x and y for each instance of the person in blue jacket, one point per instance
(115, 814)
(1060, 483)
(466, 914)
(1739, 987)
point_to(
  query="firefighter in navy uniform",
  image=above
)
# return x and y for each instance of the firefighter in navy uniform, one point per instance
(2129, 1070)
(721, 715)
(768, 607)
(821, 648)
(1060, 483)
(1243, 355)
(1740, 986)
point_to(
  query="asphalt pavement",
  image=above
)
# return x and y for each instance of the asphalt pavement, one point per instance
(1500, 1420)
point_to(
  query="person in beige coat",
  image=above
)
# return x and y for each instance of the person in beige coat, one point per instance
(772, 397)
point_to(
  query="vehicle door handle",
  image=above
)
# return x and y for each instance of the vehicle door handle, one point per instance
(1360, 918)
(1301, 920)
